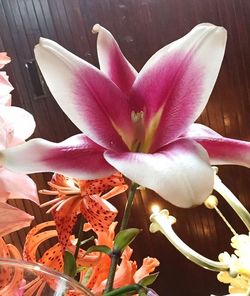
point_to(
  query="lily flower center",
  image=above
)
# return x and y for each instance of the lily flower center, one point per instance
(137, 119)
(63, 194)
(144, 133)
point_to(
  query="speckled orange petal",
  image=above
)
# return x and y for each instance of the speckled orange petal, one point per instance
(34, 239)
(115, 191)
(65, 219)
(101, 185)
(15, 273)
(4, 251)
(53, 258)
(98, 212)
(5, 272)
(10, 277)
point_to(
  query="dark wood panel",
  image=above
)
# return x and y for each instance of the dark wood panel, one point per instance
(141, 27)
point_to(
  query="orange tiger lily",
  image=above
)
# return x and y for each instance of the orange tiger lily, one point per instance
(94, 266)
(10, 280)
(88, 197)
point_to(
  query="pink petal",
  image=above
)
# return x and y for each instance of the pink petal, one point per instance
(5, 89)
(17, 123)
(221, 150)
(77, 157)
(112, 61)
(4, 59)
(92, 101)
(180, 173)
(12, 219)
(174, 85)
(13, 185)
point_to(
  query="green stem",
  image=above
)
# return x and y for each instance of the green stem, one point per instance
(123, 290)
(79, 237)
(114, 261)
(115, 257)
(128, 206)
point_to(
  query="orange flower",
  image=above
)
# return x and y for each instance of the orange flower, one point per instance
(88, 197)
(94, 266)
(126, 273)
(9, 281)
(52, 258)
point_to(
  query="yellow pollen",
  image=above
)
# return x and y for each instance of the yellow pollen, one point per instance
(137, 116)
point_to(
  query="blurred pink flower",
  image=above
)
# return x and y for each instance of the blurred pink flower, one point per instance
(16, 125)
(5, 86)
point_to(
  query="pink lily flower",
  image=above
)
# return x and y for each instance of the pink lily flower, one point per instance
(136, 123)
(6, 87)
(16, 125)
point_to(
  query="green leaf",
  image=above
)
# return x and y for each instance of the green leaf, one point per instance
(124, 238)
(87, 276)
(70, 267)
(81, 268)
(148, 280)
(100, 248)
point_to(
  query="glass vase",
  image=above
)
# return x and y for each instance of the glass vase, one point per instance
(21, 278)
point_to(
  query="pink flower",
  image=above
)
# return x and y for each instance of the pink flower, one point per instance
(5, 86)
(16, 125)
(140, 124)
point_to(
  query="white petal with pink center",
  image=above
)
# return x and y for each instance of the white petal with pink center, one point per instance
(221, 150)
(112, 61)
(174, 86)
(77, 156)
(167, 96)
(92, 101)
(180, 173)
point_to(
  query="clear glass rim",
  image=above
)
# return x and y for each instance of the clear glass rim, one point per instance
(37, 267)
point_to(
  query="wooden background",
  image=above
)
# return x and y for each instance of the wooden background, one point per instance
(141, 27)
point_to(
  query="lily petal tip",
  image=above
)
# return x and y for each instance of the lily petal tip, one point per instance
(96, 28)
(41, 40)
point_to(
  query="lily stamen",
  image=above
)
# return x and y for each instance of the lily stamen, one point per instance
(50, 202)
(48, 192)
(212, 203)
(67, 200)
(54, 207)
